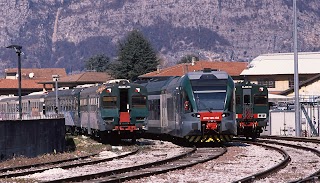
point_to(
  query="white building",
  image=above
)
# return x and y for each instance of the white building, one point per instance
(276, 71)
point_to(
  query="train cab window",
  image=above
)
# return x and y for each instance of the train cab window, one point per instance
(260, 100)
(109, 102)
(139, 101)
(246, 99)
(187, 106)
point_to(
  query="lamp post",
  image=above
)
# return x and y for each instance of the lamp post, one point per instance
(296, 73)
(56, 78)
(17, 49)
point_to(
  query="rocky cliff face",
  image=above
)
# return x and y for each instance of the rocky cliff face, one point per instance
(64, 33)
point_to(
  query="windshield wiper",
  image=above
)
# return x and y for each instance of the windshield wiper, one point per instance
(201, 103)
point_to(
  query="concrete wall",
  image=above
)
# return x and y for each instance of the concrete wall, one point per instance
(31, 138)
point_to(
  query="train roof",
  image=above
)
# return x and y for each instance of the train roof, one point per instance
(155, 85)
(67, 92)
(8, 98)
(90, 90)
(35, 95)
(217, 74)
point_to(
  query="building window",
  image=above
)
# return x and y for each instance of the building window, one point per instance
(291, 81)
(269, 83)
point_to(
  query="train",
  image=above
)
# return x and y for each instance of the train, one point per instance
(252, 109)
(113, 110)
(198, 106)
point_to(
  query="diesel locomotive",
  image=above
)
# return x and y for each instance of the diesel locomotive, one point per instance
(252, 109)
(116, 109)
(198, 107)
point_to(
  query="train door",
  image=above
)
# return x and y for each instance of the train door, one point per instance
(124, 106)
(163, 111)
(89, 111)
(29, 109)
(124, 100)
(177, 107)
(247, 104)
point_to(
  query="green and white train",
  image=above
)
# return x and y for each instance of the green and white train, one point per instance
(198, 106)
(115, 108)
(252, 109)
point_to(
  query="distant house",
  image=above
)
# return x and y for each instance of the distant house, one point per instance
(276, 71)
(10, 86)
(232, 68)
(84, 78)
(34, 80)
(35, 73)
(30, 79)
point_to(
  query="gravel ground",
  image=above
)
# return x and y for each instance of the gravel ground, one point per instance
(155, 151)
(83, 146)
(303, 163)
(240, 161)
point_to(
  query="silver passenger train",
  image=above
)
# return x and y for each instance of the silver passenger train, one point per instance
(114, 110)
(199, 106)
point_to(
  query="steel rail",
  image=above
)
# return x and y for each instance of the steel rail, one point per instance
(76, 164)
(269, 171)
(314, 176)
(183, 160)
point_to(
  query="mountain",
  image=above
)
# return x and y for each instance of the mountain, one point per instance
(65, 33)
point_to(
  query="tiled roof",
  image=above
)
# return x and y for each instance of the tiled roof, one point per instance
(232, 68)
(39, 74)
(25, 84)
(86, 77)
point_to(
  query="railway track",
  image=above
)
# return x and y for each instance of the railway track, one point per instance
(186, 159)
(296, 139)
(22, 167)
(12, 172)
(313, 176)
(269, 171)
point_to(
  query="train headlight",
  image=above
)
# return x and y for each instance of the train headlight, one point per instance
(197, 115)
(262, 115)
(261, 89)
(144, 127)
(225, 115)
(109, 120)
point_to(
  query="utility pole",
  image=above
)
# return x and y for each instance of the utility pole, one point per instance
(55, 79)
(17, 49)
(296, 72)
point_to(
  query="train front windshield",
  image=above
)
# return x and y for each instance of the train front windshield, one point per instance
(209, 95)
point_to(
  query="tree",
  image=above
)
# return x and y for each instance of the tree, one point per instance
(135, 57)
(99, 63)
(188, 59)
